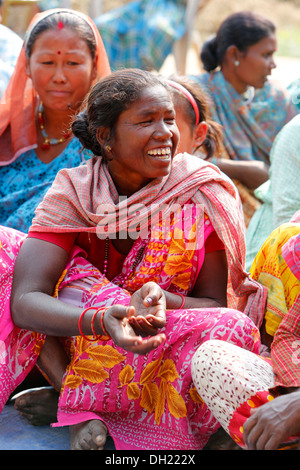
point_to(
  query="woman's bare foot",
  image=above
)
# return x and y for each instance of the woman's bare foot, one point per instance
(38, 406)
(89, 435)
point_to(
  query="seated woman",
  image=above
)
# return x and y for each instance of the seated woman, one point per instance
(62, 56)
(143, 250)
(279, 195)
(263, 412)
(251, 109)
(198, 133)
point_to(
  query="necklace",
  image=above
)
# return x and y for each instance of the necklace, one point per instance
(47, 141)
(132, 271)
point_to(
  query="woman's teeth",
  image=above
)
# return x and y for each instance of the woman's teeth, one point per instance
(161, 153)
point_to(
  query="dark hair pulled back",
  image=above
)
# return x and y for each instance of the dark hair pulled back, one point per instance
(242, 29)
(107, 100)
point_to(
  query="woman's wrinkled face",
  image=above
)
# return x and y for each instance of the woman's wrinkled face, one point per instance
(257, 63)
(61, 68)
(144, 141)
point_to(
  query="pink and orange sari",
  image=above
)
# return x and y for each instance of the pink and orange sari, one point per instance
(147, 402)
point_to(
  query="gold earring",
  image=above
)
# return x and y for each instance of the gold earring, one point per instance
(108, 148)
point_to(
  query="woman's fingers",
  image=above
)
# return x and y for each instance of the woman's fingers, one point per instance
(118, 324)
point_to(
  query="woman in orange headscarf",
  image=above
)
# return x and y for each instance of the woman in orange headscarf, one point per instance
(62, 55)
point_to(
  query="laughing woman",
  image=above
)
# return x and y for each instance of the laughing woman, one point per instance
(138, 259)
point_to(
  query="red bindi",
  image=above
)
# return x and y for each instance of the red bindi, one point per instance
(58, 52)
(60, 25)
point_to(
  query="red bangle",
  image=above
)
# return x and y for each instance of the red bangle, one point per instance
(102, 322)
(80, 320)
(182, 300)
(96, 337)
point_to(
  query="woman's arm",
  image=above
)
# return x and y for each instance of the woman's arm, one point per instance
(250, 173)
(38, 268)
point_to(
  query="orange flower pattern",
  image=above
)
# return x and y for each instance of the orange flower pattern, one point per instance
(153, 395)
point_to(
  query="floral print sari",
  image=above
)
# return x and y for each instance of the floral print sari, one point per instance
(148, 401)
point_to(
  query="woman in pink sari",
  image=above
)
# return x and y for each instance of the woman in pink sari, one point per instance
(138, 259)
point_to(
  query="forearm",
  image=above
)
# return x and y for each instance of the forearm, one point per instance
(250, 173)
(174, 301)
(42, 313)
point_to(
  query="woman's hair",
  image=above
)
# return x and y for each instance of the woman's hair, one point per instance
(107, 100)
(61, 20)
(243, 29)
(212, 144)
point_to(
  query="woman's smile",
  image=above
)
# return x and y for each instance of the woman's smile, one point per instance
(164, 153)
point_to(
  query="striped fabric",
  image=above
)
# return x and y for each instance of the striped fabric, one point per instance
(75, 203)
(286, 344)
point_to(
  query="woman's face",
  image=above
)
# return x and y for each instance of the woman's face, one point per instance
(256, 64)
(144, 141)
(186, 131)
(191, 137)
(61, 68)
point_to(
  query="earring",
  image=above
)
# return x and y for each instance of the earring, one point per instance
(236, 63)
(108, 148)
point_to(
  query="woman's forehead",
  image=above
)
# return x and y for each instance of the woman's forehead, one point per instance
(156, 95)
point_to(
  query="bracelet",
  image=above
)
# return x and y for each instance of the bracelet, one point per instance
(102, 322)
(182, 300)
(92, 323)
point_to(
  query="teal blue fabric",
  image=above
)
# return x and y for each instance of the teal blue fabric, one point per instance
(141, 34)
(24, 183)
(250, 122)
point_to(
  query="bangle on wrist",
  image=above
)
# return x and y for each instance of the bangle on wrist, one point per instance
(95, 337)
(102, 322)
(182, 300)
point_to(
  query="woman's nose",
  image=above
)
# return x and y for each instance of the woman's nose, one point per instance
(273, 64)
(163, 130)
(59, 74)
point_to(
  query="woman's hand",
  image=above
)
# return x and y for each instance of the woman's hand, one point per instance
(150, 310)
(273, 423)
(117, 324)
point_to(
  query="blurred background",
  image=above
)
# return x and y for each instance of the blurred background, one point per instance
(183, 26)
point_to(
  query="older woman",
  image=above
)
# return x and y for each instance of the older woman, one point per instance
(62, 56)
(143, 250)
